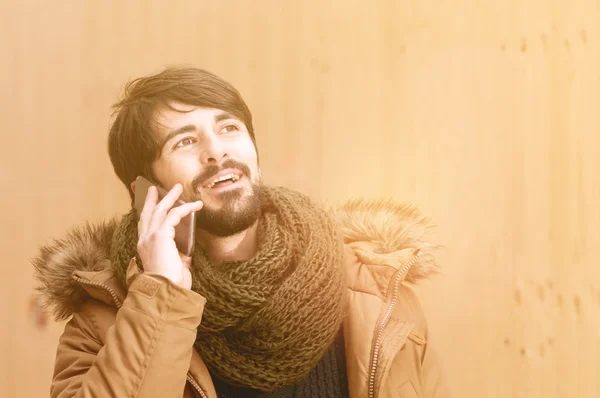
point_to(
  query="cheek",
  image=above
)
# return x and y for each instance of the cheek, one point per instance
(171, 171)
(250, 159)
(248, 151)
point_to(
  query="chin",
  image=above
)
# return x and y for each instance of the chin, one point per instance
(236, 211)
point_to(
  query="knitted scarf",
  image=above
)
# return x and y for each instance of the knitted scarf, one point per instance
(269, 320)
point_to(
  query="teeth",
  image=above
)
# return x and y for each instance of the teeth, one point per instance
(231, 176)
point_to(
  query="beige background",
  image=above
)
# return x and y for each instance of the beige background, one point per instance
(482, 112)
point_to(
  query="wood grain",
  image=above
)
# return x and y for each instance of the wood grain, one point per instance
(483, 113)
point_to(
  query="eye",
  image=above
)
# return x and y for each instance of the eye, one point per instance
(184, 142)
(230, 128)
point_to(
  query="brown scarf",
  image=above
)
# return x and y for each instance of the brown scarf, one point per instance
(268, 320)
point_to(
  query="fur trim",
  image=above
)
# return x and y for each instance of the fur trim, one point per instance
(81, 249)
(389, 227)
(386, 225)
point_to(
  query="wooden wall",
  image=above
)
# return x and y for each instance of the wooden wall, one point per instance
(482, 112)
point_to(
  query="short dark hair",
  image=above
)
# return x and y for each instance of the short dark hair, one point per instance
(132, 145)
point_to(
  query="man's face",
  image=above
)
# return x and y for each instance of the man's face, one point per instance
(209, 152)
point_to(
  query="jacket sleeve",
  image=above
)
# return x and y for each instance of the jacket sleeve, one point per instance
(146, 353)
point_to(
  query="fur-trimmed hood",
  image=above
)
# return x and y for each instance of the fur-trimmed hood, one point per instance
(377, 230)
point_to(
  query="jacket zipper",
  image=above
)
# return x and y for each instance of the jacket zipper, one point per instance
(384, 322)
(119, 305)
(196, 386)
(102, 285)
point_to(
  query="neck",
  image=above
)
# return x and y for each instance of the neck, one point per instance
(239, 247)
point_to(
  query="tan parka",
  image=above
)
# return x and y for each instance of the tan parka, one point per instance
(137, 341)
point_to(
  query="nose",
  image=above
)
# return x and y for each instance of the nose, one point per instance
(213, 151)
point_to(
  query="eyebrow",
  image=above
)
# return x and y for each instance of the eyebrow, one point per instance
(188, 128)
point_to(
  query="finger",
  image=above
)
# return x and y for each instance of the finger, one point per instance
(176, 214)
(146, 214)
(164, 205)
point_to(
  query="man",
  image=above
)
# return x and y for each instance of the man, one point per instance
(279, 298)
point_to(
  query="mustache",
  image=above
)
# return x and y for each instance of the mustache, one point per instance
(214, 169)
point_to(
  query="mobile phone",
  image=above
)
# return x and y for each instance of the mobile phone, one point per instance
(185, 231)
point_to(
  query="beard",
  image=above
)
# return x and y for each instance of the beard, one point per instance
(235, 215)
(238, 211)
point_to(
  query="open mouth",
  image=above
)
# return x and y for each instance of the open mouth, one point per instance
(223, 180)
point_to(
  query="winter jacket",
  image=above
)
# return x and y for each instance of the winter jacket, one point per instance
(137, 340)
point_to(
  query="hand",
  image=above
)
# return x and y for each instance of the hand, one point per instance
(156, 231)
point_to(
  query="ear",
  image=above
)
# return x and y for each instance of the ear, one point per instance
(133, 186)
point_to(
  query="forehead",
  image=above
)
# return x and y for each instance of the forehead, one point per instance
(176, 114)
